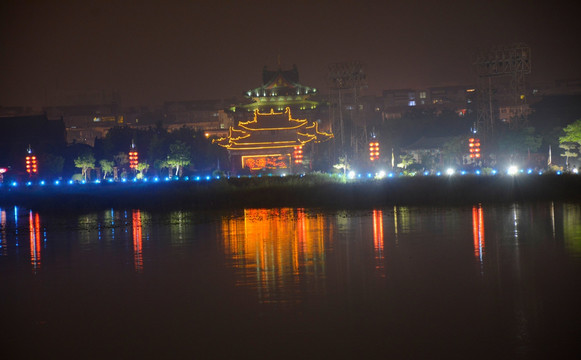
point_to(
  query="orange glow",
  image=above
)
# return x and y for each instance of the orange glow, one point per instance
(298, 154)
(272, 248)
(133, 159)
(474, 147)
(258, 162)
(378, 237)
(373, 151)
(478, 231)
(31, 164)
(137, 241)
(297, 132)
(34, 230)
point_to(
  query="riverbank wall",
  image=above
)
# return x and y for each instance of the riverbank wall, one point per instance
(296, 191)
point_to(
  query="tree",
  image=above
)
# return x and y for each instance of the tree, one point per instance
(428, 160)
(142, 169)
(179, 156)
(121, 159)
(405, 161)
(343, 164)
(106, 167)
(572, 133)
(519, 142)
(571, 141)
(571, 150)
(84, 162)
(52, 165)
(453, 149)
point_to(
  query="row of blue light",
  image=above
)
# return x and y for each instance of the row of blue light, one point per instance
(450, 172)
(136, 180)
(124, 180)
(351, 175)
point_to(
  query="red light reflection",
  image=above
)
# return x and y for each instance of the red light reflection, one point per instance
(478, 231)
(137, 241)
(378, 237)
(34, 229)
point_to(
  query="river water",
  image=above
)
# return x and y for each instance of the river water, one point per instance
(496, 281)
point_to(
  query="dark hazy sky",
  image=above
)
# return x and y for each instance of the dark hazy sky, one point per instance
(152, 51)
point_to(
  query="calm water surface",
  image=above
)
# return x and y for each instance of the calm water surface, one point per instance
(403, 282)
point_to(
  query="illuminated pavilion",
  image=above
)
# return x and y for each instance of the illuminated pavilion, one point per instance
(280, 89)
(271, 141)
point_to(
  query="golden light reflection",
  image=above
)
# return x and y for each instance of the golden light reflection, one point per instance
(275, 250)
(34, 230)
(478, 231)
(378, 238)
(137, 241)
(572, 229)
(395, 225)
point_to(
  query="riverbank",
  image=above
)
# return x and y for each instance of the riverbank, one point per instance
(314, 191)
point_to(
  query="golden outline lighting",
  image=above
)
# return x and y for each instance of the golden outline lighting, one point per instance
(257, 133)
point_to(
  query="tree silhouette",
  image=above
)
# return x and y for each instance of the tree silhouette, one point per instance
(84, 162)
(106, 167)
(179, 156)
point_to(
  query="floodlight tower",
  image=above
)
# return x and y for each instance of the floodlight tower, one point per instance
(348, 78)
(492, 66)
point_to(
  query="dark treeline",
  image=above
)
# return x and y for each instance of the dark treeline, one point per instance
(542, 129)
(157, 147)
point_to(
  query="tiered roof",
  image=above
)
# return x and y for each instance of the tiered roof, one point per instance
(279, 89)
(273, 130)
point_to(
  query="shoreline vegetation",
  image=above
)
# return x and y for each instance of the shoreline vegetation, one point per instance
(308, 191)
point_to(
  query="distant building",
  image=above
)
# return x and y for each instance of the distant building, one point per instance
(84, 123)
(208, 116)
(427, 148)
(458, 99)
(557, 87)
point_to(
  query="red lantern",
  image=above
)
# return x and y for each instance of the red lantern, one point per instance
(474, 147)
(298, 154)
(373, 151)
(31, 165)
(133, 159)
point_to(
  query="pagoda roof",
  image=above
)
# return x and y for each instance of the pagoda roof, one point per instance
(280, 83)
(271, 131)
(290, 75)
(272, 121)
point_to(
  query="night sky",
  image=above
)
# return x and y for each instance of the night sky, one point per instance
(154, 51)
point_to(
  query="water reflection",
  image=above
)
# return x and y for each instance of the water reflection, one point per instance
(137, 241)
(327, 269)
(378, 239)
(572, 229)
(478, 231)
(274, 250)
(35, 240)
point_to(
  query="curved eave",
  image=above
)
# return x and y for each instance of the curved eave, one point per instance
(268, 129)
(241, 148)
(278, 103)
